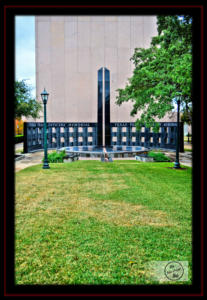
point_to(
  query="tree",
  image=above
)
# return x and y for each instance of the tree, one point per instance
(25, 105)
(186, 116)
(162, 72)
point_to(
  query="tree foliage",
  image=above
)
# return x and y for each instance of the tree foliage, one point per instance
(25, 105)
(187, 115)
(162, 72)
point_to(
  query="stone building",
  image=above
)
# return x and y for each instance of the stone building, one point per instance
(83, 60)
(72, 53)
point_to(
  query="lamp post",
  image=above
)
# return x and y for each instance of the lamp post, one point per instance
(177, 163)
(44, 96)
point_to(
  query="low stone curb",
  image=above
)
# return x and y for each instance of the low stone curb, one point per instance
(144, 158)
(20, 156)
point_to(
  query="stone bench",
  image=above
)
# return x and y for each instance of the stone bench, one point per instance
(103, 159)
(144, 158)
(71, 157)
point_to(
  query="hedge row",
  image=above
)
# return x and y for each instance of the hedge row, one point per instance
(158, 156)
(18, 139)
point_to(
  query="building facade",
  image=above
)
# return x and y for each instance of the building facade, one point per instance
(76, 56)
(83, 60)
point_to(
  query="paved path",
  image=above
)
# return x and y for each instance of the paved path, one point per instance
(184, 158)
(19, 146)
(29, 160)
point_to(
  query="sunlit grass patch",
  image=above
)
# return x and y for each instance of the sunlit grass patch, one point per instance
(90, 222)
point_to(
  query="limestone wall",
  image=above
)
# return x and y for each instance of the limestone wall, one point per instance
(69, 52)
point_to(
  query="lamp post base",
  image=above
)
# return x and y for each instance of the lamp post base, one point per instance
(46, 166)
(177, 165)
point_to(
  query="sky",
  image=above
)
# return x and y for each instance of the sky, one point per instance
(25, 50)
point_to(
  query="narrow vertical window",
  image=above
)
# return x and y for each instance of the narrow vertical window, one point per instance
(107, 108)
(100, 107)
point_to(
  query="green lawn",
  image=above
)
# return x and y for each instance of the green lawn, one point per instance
(186, 139)
(17, 151)
(90, 222)
(188, 150)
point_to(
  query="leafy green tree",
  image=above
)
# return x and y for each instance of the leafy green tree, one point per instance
(25, 105)
(186, 115)
(162, 72)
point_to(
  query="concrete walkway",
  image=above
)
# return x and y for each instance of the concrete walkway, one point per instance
(184, 158)
(31, 159)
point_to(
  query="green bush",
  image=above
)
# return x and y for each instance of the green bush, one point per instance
(18, 139)
(158, 156)
(55, 157)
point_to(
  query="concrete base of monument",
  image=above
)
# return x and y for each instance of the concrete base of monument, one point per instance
(144, 158)
(19, 156)
(113, 152)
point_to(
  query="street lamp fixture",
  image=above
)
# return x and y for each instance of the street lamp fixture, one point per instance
(177, 163)
(44, 96)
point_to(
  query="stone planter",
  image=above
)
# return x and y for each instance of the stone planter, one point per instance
(70, 158)
(144, 158)
(19, 156)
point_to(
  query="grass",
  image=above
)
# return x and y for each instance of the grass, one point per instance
(186, 139)
(90, 222)
(19, 151)
(187, 150)
(158, 156)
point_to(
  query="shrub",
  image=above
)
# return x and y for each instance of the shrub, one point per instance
(18, 139)
(56, 157)
(158, 156)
